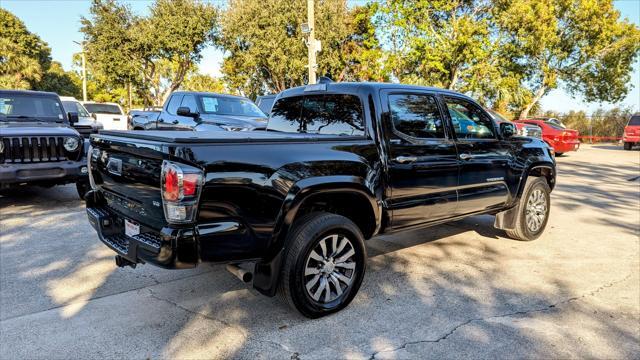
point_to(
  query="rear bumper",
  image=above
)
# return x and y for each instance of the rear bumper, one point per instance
(631, 138)
(169, 248)
(46, 172)
(565, 146)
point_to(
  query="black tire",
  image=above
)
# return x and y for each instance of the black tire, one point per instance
(628, 145)
(305, 237)
(522, 231)
(559, 154)
(82, 187)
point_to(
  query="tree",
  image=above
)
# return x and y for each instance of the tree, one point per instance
(581, 44)
(24, 57)
(203, 82)
(64, 83)
(265, 50)
(438, 43)
(153, 53)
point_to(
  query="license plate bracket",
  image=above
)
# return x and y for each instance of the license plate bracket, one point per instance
(131, 229)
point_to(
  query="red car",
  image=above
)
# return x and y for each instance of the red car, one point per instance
(555, 134)
(631, 134)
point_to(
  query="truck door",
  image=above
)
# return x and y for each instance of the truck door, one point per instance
(168, 118)
(483, 158)
(423, 164)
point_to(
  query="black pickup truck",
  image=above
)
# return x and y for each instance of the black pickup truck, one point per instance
(290, 208)
(38, 145)
(201, 111)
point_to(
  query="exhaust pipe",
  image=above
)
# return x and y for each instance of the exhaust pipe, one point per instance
(122, 262)
(242, 274)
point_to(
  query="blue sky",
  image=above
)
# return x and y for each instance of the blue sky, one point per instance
(58, 23)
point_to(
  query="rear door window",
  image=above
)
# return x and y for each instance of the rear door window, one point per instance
(416, 115)
(327, 114)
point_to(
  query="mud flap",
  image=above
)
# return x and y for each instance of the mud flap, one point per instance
(506, 220)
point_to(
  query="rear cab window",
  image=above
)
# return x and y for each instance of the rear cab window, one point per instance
(325, 114)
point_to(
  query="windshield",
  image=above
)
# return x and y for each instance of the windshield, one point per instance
(634, 121)
(75, 106)
(17, 107)
(103, 109)
(230, 106)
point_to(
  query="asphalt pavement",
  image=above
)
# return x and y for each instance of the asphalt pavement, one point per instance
(460, 290)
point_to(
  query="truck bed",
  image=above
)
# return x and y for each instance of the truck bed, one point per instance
(192, 137)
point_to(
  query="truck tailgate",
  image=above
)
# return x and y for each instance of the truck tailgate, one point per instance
(128, 172)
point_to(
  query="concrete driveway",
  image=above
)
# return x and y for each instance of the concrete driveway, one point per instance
(461, 290)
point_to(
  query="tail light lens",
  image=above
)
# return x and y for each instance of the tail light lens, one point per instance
(180, 186)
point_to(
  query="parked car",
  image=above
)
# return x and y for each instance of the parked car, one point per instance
(522, 128)
(38, 145)
(265, 103)
(289, 208)
(631, 134)
(86, 124)
(558, 137)
(110, 115)
(202, 111)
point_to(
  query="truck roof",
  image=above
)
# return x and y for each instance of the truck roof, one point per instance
(29, 92)
(354, 87)
(207, 93)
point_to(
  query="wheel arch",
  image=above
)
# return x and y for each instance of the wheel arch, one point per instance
(345, 195)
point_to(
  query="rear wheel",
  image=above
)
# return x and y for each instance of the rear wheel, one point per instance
(628, 145)
(533, 211)
(324, 263)
(559, 154)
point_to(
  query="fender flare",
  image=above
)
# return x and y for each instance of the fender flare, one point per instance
(505, 220)
(267, 273)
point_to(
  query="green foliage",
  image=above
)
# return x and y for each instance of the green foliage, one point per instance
(203, 82)
(266, 53)
(24, 57)
(152, 53)
(64, 83)
(581, 44)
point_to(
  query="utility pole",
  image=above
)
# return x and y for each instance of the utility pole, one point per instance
(84, 71)
(311, 45)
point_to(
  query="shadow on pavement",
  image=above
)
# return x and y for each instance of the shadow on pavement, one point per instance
(449, 282)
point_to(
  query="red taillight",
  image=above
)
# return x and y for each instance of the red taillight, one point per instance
(180, 188)
(171, 186)
(190, 184)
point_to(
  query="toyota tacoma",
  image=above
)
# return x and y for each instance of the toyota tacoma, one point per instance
(289, 209)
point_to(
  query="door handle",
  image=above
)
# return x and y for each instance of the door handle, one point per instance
(405, 159)
(465, 156)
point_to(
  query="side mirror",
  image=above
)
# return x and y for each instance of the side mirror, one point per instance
(94, 116)
(508, 129)
(73, 117)
(185, 111)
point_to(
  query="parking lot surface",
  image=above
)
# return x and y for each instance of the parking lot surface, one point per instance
(461, 290)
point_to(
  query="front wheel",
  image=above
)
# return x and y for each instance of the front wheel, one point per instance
(559, 154)
(533, 213)
(324, 264)
(627, 145)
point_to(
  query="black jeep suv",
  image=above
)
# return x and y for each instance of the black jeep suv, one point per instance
(38, 146)
(290, 208)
